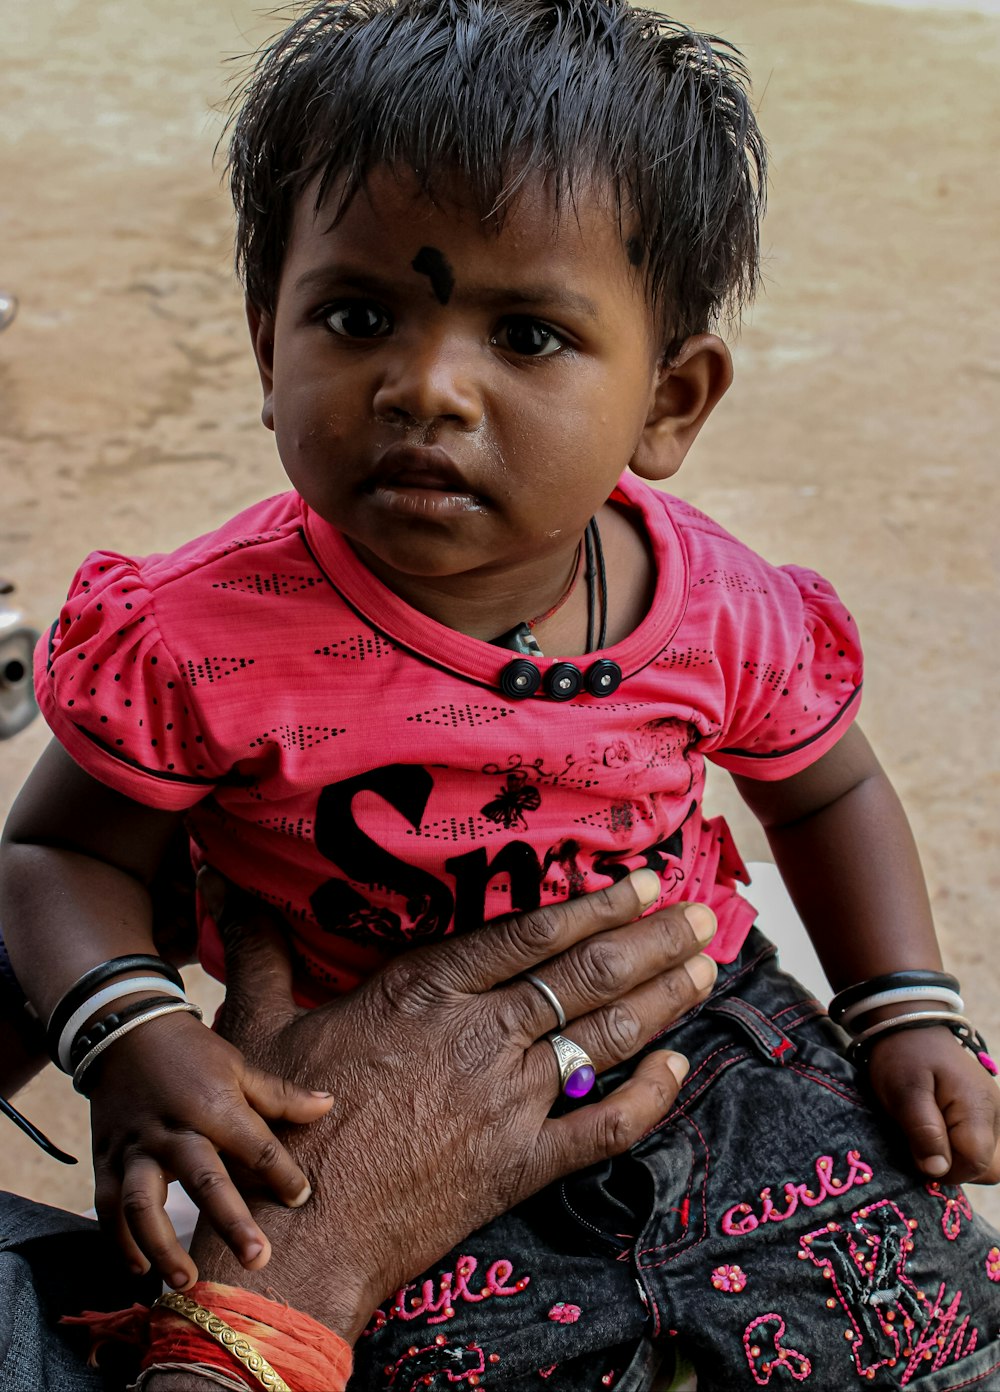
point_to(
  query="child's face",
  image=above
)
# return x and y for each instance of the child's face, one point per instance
(454, 398)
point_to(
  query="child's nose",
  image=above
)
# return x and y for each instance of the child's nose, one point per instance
(430, 380)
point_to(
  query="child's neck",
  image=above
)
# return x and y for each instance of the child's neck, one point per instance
(486, 606)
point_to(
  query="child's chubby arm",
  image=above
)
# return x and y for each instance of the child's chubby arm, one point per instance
(846, 853)
(167, 1098)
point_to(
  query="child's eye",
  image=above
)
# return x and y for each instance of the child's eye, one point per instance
(357, 319)
(528, 337)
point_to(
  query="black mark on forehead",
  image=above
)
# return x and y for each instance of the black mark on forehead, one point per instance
(434, 265)
(635, 250)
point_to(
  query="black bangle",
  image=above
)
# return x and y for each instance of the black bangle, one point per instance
(966, 1034)
(96, 977)
(85, 1041)
(891, 981)
(859, 1049)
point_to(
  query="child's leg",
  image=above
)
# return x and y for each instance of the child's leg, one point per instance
(781, 1235)
(791, 1240)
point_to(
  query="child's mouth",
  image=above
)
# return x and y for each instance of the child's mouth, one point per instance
(418, 480)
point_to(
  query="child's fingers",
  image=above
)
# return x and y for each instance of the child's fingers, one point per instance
(146, 1233)
(279, 1099)
(915, 1108)
(972, 1131)
(108, 1205)
(243, 1136)
(207, 1182)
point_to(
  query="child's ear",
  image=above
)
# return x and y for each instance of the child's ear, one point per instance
(262, 338)
(685, 393)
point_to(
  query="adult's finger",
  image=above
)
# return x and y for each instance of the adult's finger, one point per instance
(508, 946)
(609, 1127)
(258, 962)
(622, 1028)
(607, 966)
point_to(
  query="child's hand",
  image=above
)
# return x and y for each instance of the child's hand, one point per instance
(945, 1101)
(167, 1099)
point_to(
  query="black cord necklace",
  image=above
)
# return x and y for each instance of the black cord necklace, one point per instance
(597, 585)
(521, 638)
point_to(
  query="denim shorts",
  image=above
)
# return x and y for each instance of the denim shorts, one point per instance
(54, 1263)
(771, 1226)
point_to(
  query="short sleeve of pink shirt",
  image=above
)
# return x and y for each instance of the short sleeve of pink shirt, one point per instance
(113, 695)
(788, 649)
(124, 696)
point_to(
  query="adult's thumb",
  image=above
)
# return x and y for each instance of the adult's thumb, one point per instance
(258, 962)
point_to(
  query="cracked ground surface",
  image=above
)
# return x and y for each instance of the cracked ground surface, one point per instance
(859, 437)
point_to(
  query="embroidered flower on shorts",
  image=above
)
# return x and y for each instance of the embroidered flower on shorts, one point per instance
(729, 1278)
(993, 1263)
(562, 1313)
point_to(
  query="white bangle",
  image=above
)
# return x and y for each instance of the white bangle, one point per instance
(901, 995)
(116, 991)
(152, 1014)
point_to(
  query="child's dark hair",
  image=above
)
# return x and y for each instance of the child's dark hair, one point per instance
(496, 92)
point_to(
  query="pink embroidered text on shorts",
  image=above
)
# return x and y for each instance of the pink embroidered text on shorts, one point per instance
(956, 1207)
(437, 1303)
(892, 1321)
(741, 1218)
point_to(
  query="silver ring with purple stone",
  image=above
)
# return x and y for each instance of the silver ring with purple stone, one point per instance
(550, 996)
(576, 1067)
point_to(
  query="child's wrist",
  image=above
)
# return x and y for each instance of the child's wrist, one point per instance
(101, 987)
(91, 1048)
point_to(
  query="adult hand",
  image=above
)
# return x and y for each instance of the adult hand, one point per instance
(443, 1080)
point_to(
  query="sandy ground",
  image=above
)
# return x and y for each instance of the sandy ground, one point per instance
(859, 437)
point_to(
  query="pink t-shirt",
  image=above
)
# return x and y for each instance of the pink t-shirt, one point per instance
(356, 764)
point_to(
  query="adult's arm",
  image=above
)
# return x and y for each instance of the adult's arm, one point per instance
(443, 1082)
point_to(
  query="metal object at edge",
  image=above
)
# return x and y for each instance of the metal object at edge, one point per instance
(17, 645)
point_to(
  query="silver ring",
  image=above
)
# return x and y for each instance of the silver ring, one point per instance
(576, 1067)
(550, 996)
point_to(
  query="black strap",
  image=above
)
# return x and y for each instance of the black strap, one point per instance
(33, 1133)
(967, 1035)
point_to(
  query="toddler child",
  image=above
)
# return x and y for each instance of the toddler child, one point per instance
(473, 663)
